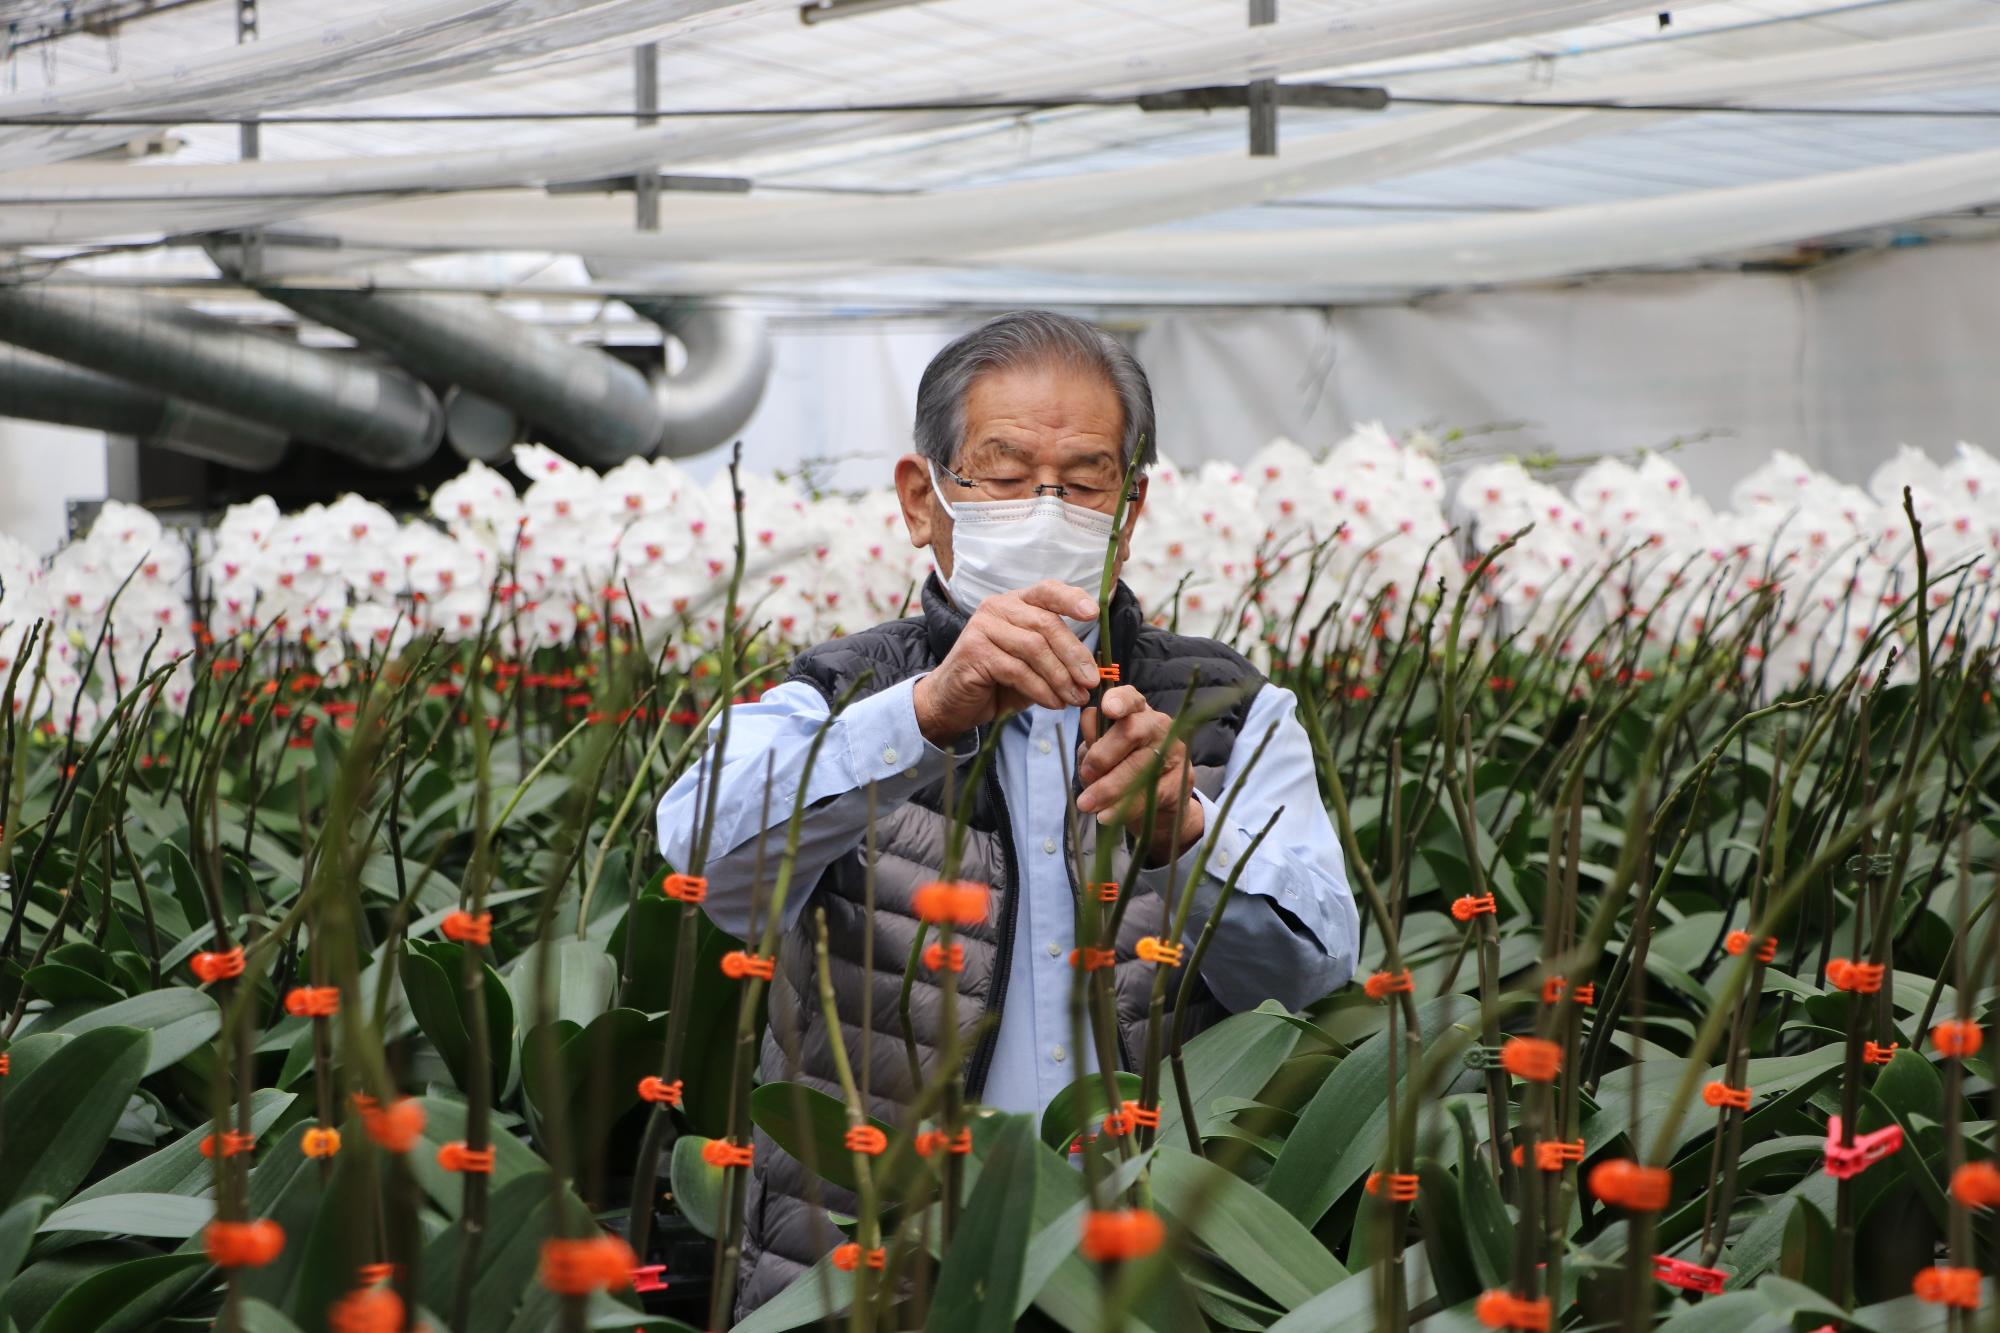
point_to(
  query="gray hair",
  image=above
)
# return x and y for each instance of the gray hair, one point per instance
(1030, 338)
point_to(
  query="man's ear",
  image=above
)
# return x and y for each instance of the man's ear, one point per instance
(922, 514)
(1131, 517)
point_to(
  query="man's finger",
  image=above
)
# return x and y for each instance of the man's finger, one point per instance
(1121, 739)
(1109, 791)
(1061, 599)
(1123, 701)
(1061, 639)
(1012, 674)
(1034, 651)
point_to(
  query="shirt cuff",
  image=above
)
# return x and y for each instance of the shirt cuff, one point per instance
(883, 739)
(1228, 847)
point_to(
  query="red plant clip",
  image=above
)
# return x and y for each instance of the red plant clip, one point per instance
(737, 965)
(465, 928)
(939, 959)
(320, 1142)
(233, 1142)
(579, 1267)
(1739, 940)
(370, 1310)
(851, 1256)
(1402, 1187)
(867, 1139)
(1092, 959)
(1468, 907)
(313, 1001)
(243, 1244)
(212, 967)
(1688, 1277)
(1957, 1038)
(959, 903)
(1874, 1053)
(1552, 989)
(395, 1127)
(933, 1141)
(1503, 1309)
(1553, 1154)
(1531, 1058)
(1127, 1233)
(6, 1065)
(657, 1090)
(685, 888)
(1108, 674)
(1866, 1150)
(1106, 890)
(370, 1274)
(1955, 1287)
(1382, 985)
(1976, 1184)
(1118, 1124)
(1152, 949)
(721, 1152)
(468, 1161)
(1720, 1094)
(1585, 994)
(1635, 1188)
(647, 1278)
(1861, 978)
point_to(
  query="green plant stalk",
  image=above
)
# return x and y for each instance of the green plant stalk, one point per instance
(868, 1226)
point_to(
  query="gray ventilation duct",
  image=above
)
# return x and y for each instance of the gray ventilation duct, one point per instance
(598, 408)
(373, 415)
(711, 398)
(41, 388)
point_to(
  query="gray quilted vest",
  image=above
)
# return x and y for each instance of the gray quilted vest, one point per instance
(786, 1229)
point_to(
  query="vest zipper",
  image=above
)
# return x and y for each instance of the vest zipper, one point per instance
(1003, 961)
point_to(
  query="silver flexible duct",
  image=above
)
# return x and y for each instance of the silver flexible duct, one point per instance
(711, 398)
(368, 413)
(41, 388)
(597, 408)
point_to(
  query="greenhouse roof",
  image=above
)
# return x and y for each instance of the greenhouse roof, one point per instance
(1077, 199)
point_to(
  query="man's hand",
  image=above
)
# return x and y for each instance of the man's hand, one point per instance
(1114, 769)
(1014, 651)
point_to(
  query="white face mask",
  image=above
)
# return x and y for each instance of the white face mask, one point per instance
(1004, 545)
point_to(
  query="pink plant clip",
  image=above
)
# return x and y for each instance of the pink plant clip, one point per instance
(1867, 1149)
(1688, 1277)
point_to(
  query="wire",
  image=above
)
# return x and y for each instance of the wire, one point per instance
(1026, 104)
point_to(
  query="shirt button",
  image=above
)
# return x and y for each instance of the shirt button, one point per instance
(1043, 745)
(1055, 949)
(1056, 1054)
(889, 755)
(1049, 846)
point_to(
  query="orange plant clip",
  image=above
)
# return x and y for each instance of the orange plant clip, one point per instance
(471, 1161)
(939, 959)
(867, 1139)
(851, 1256)
(1861, 978)
(1873, 1053)
(1635, 1188)
(1143, 1117)
(657, 1090)
(1106, 890)
(958, 902)
(1468, 907)
(320, 1142)
(933, 1141)
(1092, 959)
(1152, 949)
(313, 1001)
(465, 928)
(1739, 940)
(737, 965)
(1976, 1184)
(1531, 1058)
(1552, 1154)
(369, 1310)
(685, 888)
(232, 1142)
(243, 1244)
(1108, 674)
(1503, 1309)
(1954, 1287)
(579, 1267)
(1957, 1038)
(1402, 1187)
(721, 1152)
(395, 1127)
(1720, 1094)
(212, 967)
(1382, 985)
(1127, 1233)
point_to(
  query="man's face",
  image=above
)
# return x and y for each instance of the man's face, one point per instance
(1035, 425)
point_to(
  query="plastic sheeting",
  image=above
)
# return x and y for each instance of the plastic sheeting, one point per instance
(391, 50)
(951, 225)
(96, 201)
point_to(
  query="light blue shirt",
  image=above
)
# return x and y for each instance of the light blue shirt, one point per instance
(1291, 935)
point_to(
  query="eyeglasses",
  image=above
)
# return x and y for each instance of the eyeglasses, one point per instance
(1021, 488)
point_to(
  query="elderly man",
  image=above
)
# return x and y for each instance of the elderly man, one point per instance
(1024, 432)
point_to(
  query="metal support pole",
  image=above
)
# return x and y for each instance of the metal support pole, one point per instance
(246, 31)
(646, 95)
(1263, 93)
